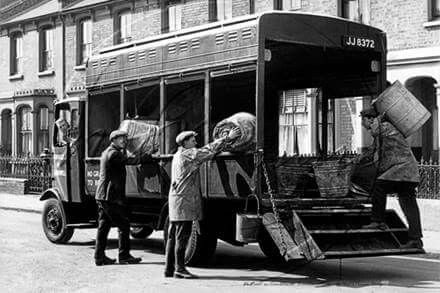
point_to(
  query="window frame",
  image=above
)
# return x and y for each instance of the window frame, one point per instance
(433, 15)
(291, 6)
(25, 132)
(117, 26)
(344, 12)
(218, 10)
(43, 133)
(16, 62)
(43, 44)
(175, 15)
(80, 40)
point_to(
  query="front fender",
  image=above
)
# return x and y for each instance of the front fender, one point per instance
(51, 193)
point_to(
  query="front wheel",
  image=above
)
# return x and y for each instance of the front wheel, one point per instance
(201, 247)
(54, 222)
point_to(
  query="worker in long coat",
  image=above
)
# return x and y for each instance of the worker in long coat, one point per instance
(111, 201)
(185, 199)
(397, 172)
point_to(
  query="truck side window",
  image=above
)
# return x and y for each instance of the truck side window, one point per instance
(62, 128)
(104, 117)
(143, 104)
(184, 110)
(74, 125)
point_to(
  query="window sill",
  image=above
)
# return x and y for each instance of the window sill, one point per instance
(432, 23)
(46, 73)
(81, 67)
(16, 76)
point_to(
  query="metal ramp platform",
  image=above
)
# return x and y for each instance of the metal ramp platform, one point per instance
(335, 233)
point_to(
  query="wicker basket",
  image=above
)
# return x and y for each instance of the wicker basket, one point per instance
(292, 178)
(333, 177)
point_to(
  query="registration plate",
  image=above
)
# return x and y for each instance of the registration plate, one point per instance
(358, 42)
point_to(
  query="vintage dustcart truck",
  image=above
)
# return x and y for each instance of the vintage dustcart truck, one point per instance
(292, 71)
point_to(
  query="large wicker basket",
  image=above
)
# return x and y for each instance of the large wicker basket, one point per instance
(333, 177)
(292, 179)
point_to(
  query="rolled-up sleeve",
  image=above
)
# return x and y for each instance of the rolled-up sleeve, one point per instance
(207, 152)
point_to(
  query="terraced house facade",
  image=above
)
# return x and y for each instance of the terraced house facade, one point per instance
(45, 46)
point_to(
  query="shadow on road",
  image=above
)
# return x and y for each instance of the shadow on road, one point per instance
(147, 245)
(399, 272)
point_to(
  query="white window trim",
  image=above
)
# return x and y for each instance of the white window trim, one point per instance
(175, 17)
(82, 27)
(224, 9)
(125, 27)
(292, 5)
(432, 23)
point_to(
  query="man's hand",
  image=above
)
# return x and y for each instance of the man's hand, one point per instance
(375, 125)
(234, 133)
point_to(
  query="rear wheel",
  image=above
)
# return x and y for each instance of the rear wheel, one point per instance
(54, 222)
(141, 232)
(201, 247)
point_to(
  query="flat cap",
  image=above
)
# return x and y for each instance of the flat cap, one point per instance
(117, 133)
(184, 135)
(369, 112)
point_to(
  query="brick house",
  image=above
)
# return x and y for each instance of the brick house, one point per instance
(413, 30)
(80, 28)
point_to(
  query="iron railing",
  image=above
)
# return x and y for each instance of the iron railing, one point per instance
(36, 170)
(429, 186)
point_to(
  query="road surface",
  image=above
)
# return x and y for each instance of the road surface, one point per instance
(30, 263)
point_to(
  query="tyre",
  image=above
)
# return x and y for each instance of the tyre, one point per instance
(201, 247)
(141, 232)
(54, 222)
(268, 246)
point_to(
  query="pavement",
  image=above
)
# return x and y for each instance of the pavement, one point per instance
(430, 209)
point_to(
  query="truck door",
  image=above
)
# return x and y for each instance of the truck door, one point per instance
(67, 148)
(61, 153)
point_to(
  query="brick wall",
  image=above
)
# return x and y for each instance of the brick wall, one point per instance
(263, 5)
(329, 7)
(403, 20)
(195, 12)
(30, 78)
(240, 7)
(14, 185)
(146, 21)
(10, 10)
(4, 64)
(73, 78)
(102, 30)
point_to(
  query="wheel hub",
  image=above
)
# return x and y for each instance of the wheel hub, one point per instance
(54, 221)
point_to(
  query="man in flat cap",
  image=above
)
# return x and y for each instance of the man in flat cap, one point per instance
(396, 172)
(185, 199)
(110, 198)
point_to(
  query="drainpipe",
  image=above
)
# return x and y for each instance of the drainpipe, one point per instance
(63, 54)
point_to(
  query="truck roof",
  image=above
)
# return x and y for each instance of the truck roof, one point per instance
(217, 44)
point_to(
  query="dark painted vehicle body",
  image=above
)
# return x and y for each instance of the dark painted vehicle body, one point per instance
(267, 52)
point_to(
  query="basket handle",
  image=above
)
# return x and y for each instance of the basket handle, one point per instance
(247, 202)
